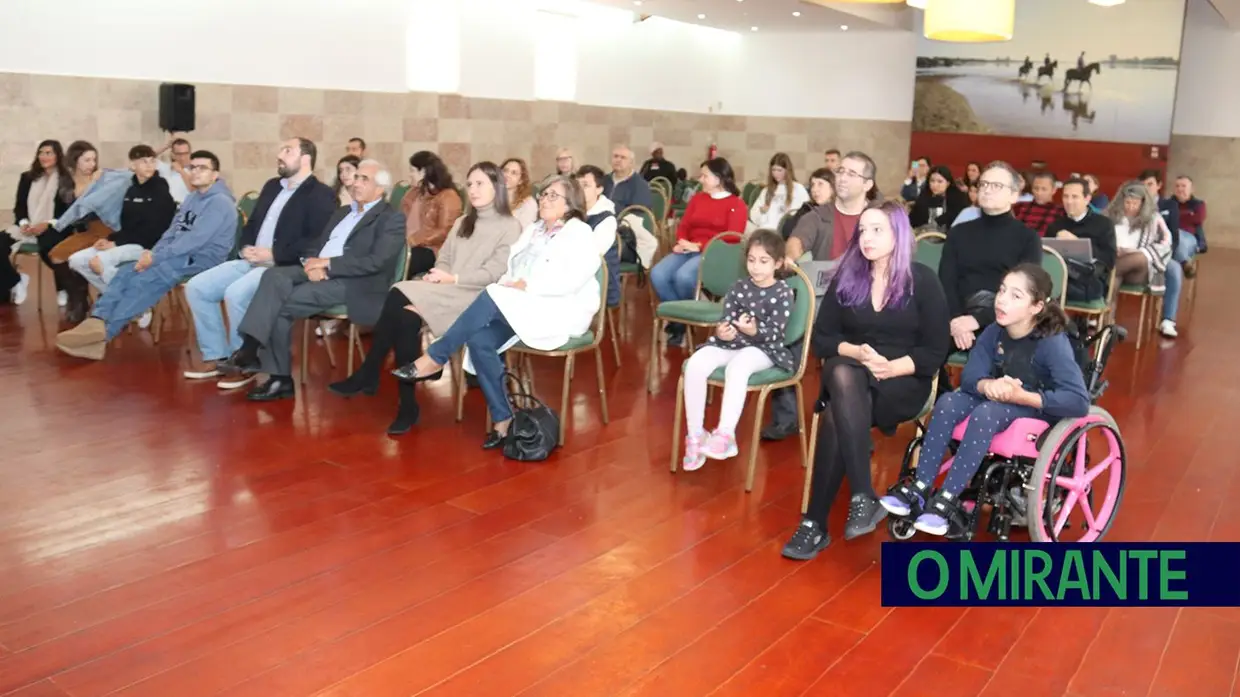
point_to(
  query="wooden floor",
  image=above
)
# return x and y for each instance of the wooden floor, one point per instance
(158, 539)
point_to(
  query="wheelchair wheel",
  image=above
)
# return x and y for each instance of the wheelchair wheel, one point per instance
(1080, 470)
(900, 529)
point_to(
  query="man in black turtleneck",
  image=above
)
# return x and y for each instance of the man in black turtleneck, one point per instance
(1080, 223)
(979, 253)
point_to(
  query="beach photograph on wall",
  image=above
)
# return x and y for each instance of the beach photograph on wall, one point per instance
(1072, 70)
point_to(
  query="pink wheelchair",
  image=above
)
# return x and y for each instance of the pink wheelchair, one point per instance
(1062, 481)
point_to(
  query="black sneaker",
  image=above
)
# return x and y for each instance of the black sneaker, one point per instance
(864, 515)
(807, 541)
(777, 431)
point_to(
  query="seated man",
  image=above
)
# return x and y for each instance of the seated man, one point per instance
(1038, 214)
(1080, 223)
(291, 211)
(1183, 247)
(146, 212)
(1192, 224)
(200, 237)
(352, 263)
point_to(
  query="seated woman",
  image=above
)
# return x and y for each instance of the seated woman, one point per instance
(817, 212)
(939, 203)
(1142, 239)
(548, 295)
(430, 208)
(346, 168)
(717, 208)
(44, 193)
(782, 194)
(1022, 367)
(882, 331)
(520, 191)
(977, 254)
(473, 256)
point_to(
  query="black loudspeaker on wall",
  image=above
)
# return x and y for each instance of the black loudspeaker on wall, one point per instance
(176, 107)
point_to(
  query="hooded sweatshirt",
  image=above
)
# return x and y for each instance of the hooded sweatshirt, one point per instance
(147, 210)
(203, 232)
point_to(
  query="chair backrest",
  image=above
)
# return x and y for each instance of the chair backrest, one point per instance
(600, 317)
(402, 264)
(722, 264)
(658, 203)
(247, 202)
(1053, 264)
(662, 183)
(241, 220)
(802, 317)
(750, 192)
(929, 250)
(398, 194)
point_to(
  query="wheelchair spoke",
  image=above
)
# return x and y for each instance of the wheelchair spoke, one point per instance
(1088, 512)
(1081, 451)
(1064, 512)
(1093, 472)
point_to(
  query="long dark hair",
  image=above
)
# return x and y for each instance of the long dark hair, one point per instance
(347, 159)
(1051, 320)
(722, 169)
(773, 244)
(435, 174)
(854, 277)
(525, 188)
(64, 189)
(496, 175)
(76, 150)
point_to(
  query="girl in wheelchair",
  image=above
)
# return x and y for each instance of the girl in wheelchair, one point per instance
(1022, 366)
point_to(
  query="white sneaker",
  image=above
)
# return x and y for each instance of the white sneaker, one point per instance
(145, 320)
(62, 298)
(19, 292)
(326, 328)
(1167, 329)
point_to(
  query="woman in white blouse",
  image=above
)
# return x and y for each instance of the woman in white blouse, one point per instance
(1142, 239)
(782, 194)
(548, 295)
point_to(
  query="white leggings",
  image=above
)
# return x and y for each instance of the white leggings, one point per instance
(740, 365)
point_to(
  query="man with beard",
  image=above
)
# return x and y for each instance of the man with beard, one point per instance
(292, 209)
(825, 232)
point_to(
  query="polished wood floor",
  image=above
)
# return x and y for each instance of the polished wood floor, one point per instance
(159, 539)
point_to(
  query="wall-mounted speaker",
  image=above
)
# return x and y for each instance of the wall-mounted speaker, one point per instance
(176, 107)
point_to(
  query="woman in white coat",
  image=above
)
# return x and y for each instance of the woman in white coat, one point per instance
(782, 194)
(548, 295)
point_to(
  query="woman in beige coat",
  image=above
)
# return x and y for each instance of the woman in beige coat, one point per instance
(474, 255)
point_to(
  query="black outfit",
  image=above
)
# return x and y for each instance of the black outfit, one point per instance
(611, 258)
(146, 213)
(301, 220)
(659, 168)
(855, 400)
(49, 239)
(976, 257)
(950, 204)
(1100, 232)
(421, 261)
(397, 330)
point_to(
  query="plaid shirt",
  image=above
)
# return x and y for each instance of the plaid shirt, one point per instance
(1037, 216)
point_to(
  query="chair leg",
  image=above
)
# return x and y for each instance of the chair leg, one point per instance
(159, 315)
(615, 338)
(653, 363)
(1141, 321)
(189, 321)
(801, 424)
(624, 284)
(680, 411)
(568, 381)
(355, 340)
(809, 470)
(527, 372)
(331, 356)
(305, 348)
(756, 438)
(39, 282)
(458, 377)
(602, 384)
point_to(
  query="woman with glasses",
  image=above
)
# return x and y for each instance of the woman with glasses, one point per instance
(548, 295)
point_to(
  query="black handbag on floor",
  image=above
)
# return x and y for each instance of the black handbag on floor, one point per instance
(535, 428)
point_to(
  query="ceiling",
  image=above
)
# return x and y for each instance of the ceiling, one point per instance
(774, 15)
(1229, 9)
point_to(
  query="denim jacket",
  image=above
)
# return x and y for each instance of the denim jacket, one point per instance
(104, 198)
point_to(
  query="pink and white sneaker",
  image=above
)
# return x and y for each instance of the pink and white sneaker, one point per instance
(693, 459)
(720, 446)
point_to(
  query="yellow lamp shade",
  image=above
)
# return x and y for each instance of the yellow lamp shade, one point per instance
(918, 4)
(871, 2)
(970, 21)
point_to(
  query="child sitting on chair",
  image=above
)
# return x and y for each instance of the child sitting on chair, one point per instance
(1022, 366)
(749, 339)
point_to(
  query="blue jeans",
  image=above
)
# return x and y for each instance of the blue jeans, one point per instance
(1184, 251)
(483, 329)
(987, 419)
(675, 276)
(132, 292)
(612, 259)
(110, 260)
(233, 282)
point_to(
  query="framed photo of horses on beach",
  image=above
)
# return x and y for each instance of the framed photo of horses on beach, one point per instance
(1073, 70)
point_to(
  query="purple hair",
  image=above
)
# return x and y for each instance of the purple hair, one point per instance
(853, 280)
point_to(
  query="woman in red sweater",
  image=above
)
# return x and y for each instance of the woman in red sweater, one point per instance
(717, 208)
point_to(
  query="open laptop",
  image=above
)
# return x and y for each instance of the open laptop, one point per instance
(1078, 250)
(820, 274)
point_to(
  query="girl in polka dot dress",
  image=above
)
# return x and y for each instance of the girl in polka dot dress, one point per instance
(749, 339)
(1022, 366)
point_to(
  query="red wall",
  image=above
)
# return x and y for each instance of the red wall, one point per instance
(1112, 163)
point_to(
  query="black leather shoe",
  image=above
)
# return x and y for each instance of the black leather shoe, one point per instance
(272, 390)
(242, 361)
(409, 373)
(778, 431)
(405, 420)
(494, 440)
(350, 388)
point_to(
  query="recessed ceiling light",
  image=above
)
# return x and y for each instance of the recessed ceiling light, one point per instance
(701, 16)
(796, 14)
(637, 2)
(753, 29)
(843, 27)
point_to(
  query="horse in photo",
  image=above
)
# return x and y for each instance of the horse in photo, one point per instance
(1047, 71)
(1081, 75)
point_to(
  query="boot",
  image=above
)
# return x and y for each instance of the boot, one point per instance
(79, 296)
(407, 413)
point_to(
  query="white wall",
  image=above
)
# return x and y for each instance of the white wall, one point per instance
(1207, 97)
(358, 44)
(481, 48)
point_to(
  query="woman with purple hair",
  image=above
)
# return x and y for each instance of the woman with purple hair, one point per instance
(883, 332)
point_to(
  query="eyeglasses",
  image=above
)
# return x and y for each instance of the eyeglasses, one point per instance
(550, 195)
(845, 172)
(200, 168)
(984, 185)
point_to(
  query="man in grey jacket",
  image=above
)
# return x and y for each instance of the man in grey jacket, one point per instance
(201, 236)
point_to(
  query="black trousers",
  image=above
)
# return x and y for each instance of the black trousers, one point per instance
(421, 260)
(844, 442)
